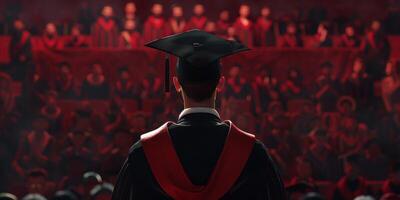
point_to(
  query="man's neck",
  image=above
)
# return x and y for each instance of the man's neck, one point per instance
(205, 104)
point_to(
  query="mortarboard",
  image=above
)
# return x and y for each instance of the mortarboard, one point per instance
(198, 53)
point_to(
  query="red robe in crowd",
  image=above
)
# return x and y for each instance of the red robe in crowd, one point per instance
(50, 42)
(176, 25)
(264, 32)
(222, 27)
(130, 40)
(351, 42)
(105, 33)
(197, 22)
(290, 40)
(154, 28)
(244, 32)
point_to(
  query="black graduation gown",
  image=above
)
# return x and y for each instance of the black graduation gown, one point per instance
(200, 136)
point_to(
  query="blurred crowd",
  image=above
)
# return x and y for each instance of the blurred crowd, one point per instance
(339, 137)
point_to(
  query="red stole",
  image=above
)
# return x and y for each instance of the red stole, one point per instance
(105, 33)
(170, 175)
(197, 22)
(130, 40)
(346, 42)
(24, 38)
(154, 28)
(346, 193)
(52, 43)
(289, 41)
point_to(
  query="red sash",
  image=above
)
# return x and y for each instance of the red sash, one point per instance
(169, 173)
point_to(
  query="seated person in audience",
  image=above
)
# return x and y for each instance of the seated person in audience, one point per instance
(244, 26)
(50, 39)
(198, 20)
(349, 38)
(231, 34)
(37, 182)
(266, 89)
(237, 87)
(124, 86)
(293, 87)
(76, 40)
(324, 163)
(53, 113)
(392, 183)
(223, 23)
(376, 50)
(155, 25)
(359, 85)
(20, 51)
(390, 83)
(322, 37)
(105, 29)
(264, 28)
(374, 159)
(303, 173)
(177, 22)
(77, 156)
(130, 14)
(291, 38)
(326, 88)
(130, 38)
(35, 148)
(95, 85)
(151, 87)
(65, 83)
(352, 184)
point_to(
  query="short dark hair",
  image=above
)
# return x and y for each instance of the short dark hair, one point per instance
(200, 91)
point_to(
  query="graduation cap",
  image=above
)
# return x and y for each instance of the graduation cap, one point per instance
(198, 53)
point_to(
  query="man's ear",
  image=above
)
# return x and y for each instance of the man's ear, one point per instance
(177, 85)
(221, 84)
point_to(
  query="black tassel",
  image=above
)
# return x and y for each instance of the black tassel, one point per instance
(167, 74)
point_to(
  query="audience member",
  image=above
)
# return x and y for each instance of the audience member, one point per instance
(322, 37)
(390, 83)
(76, 40)
(95, 85)
(130, 14)
(264, 29)
(349, 38)
(65, 83)
(50, 38)
(223, 23)
(124, 87)
(177, 22)
(198, 20)
(20, 51)
(130, 38)
(291, 38)
(154, 27)
(105, 29)
(244, 26)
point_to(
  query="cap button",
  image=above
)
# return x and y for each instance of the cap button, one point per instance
(196, 45)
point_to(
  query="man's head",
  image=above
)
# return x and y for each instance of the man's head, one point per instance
(107, 11)
(157, 9)
(198, 9)
(76, 30)
(291, 28)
